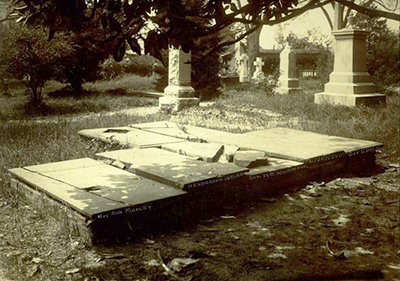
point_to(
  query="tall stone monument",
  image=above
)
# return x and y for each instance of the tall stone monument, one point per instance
(288, 81)
(244, 68)
(350, 83)
(179, 93)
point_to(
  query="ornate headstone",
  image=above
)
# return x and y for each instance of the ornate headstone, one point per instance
(258, 73)
(350, 83)
(288, 82)
(244, 68)
(179, 93)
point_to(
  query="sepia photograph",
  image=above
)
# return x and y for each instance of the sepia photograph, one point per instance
(199, 140)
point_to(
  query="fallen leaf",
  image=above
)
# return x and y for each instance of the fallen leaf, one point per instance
(227, 217)
(149, 242)
(72, 271)
(177, 264)
(37, 260)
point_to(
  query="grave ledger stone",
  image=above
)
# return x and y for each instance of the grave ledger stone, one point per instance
(179, 93)
(350, 83)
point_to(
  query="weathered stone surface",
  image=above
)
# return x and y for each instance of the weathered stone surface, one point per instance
(172, 103)
(350, 100)
(229, 153)
(288, 81)
(250, 158)
(284, 148)
(186, 132)
(94, 189)
(174, 169)
(349, 83)
(179, 93)
(209, 152)
(179, 67)
(281, 148)
(277, 177)
(302, 137)
(129, 136)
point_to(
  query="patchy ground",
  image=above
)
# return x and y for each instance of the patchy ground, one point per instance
(345, 229)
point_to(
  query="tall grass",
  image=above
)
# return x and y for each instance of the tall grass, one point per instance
(379, 123)
(26, 143)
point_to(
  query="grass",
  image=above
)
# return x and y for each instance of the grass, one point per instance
(379, 124)
(25, 143)
(101, 96)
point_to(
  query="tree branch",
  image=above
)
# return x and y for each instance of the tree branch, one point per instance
(327, 17)
(369, 12)
(258, 23)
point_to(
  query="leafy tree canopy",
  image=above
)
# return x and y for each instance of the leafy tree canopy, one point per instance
(179, 21)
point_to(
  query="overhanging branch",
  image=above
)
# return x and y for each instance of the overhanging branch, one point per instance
(369, 12)
(259, 23)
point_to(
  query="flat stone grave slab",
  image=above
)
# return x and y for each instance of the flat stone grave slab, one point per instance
(280, 148)
(94, 189)
(302, 137)
(208, 152)
(129, 136)
(175, 170)
(186, 132)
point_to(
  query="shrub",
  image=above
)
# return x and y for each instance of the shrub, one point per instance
(132, 64)
(30, 56)
(383, 59)
(83, 64)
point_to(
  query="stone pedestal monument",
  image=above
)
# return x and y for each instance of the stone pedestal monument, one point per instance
(350, 83)
(244, 68)
(179, 93)
(288, 82)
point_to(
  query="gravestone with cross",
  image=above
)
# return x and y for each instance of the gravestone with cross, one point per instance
(244, 68)
(258, 75)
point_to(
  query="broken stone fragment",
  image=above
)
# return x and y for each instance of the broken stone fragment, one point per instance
(250, 158)
(207, 152)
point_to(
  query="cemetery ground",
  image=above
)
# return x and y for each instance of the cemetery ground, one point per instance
(345, 228)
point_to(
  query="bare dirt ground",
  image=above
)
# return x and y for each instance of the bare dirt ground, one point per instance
(343, 229)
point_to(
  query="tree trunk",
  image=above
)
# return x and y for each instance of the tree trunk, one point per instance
(76, 85)
(253, 49)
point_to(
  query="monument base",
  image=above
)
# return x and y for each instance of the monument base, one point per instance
(179, 91)
(285, 91)
(350, 100)
(176, 104)
(288, 86)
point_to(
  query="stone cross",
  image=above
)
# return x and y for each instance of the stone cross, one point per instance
(258, 75)
(179, 93)
(244, 68)
(258, 63)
